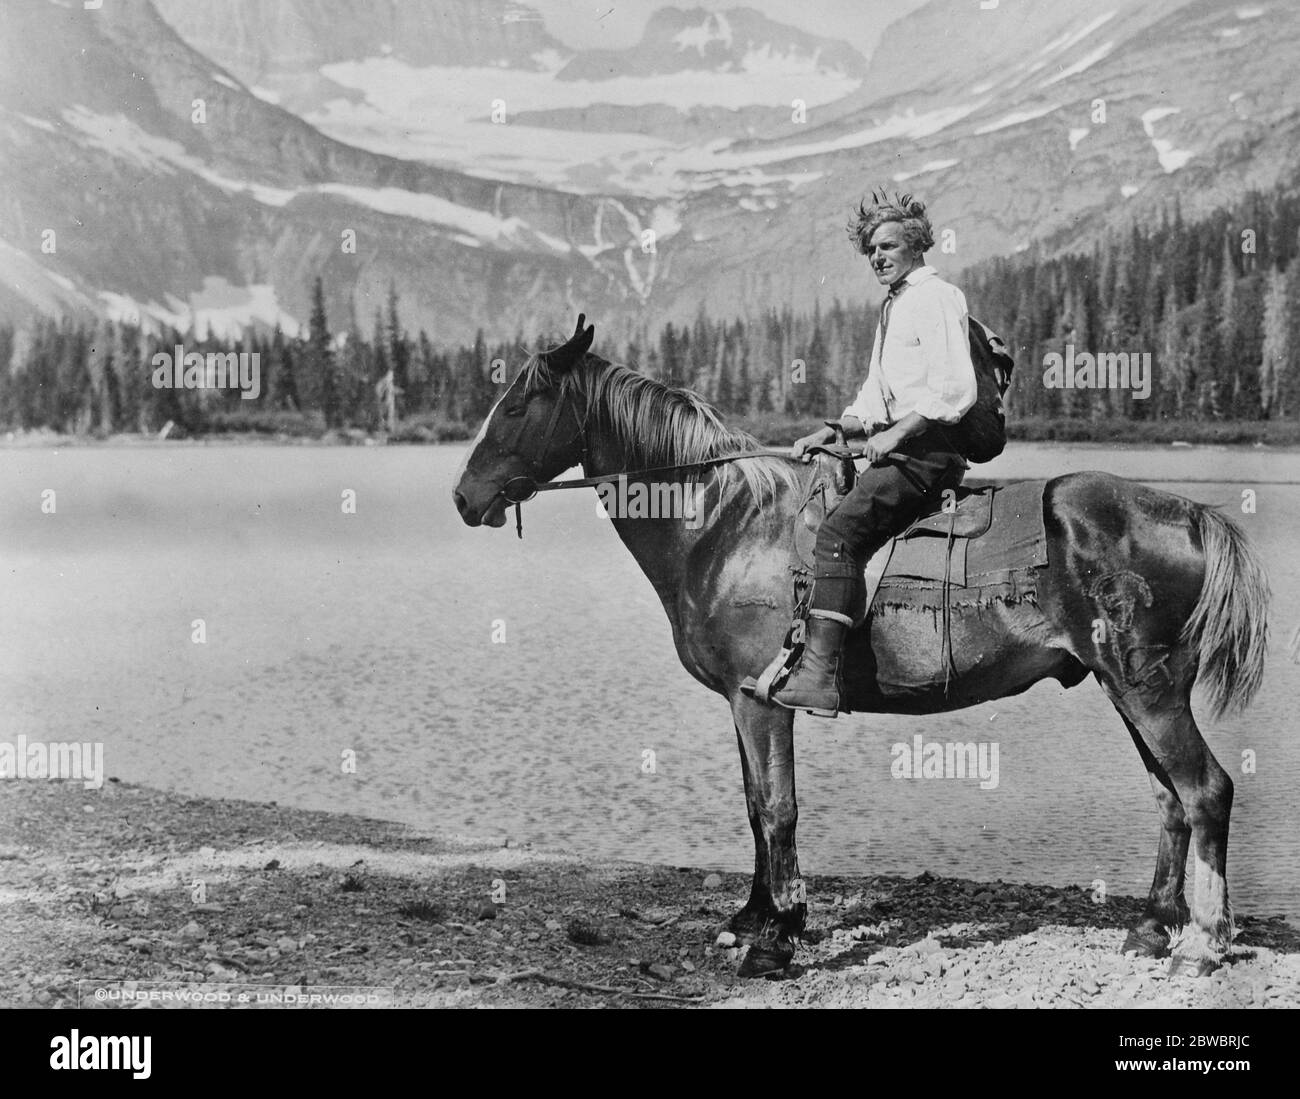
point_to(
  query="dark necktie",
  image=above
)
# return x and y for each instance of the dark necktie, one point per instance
(888, 306)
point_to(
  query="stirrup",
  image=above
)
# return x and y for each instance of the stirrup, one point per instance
(815, 713)
(773, 676)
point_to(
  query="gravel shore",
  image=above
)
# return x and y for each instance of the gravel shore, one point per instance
(129, 884)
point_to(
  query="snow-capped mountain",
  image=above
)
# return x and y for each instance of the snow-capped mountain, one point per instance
(485, 91)
(1099, 116)
(741, 40)
(172, 192)
(504, 180)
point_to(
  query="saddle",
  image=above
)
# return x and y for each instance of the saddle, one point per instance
(933, 547)
(982, 545)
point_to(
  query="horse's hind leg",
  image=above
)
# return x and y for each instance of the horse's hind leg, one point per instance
(1166, 910)
(777, 905)
(1203, 788)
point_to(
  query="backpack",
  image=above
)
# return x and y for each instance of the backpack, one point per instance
(982, 433)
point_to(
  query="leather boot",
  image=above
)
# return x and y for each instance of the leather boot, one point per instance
(814, 685)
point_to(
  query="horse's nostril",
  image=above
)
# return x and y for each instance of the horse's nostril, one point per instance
(461, 502)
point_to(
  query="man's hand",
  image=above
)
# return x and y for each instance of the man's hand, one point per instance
(817, 438)
(893, 437)
(882, 443)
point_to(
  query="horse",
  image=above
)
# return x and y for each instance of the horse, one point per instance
(1179, 592)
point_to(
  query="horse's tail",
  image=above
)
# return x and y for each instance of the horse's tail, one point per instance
(1228, 626)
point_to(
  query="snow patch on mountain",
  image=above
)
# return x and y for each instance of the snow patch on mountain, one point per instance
(1154, 115)
(34, 282)
(444, 115)
(1085, 62)
(473, 227)
(39, 124)
(925, 170)
(1015, 118)
(665, 222)
(674, 171)
(1073, 38)
(755, 179)
(1171, 159)
(398, 90)
(220, 308)
(715, 28)
(121, 138)
(549, 60)
(899, 126)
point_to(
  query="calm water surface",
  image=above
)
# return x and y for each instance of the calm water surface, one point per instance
(373, 633)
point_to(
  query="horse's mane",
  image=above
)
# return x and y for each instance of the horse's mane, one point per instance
(659, 425)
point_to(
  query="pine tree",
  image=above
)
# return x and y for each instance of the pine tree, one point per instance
(1278, 356)
(742, 388)
(8, 389)
(318, 360)
(1207, 354)
(399, 349)
(1173, 359)
(1230, 350)
(423, 394)
(670, 359)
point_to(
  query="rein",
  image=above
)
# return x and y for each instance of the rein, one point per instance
(529, 487)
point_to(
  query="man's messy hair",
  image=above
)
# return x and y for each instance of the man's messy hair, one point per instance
(904, 209)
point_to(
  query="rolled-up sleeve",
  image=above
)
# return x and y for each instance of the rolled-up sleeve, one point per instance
(950, 389)
(859, 409)
(869, 405)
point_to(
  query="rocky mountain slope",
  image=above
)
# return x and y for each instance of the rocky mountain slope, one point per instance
(502, 180)
(173, 192)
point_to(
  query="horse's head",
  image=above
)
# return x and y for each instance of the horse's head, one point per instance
(533, 434)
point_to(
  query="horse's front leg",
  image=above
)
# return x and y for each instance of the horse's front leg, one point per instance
(774, 915)
(749, 922)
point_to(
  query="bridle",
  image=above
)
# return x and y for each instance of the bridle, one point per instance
(518, 490)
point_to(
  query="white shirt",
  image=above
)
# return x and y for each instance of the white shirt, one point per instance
(924, 364)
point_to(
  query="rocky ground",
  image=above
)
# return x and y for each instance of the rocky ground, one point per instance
(127, 884)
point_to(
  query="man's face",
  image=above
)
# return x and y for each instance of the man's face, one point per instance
(889, 255)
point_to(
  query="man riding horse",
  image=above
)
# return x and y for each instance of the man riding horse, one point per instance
(921, 381)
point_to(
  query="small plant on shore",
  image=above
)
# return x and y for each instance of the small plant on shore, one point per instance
(586, 934)
(426, 911)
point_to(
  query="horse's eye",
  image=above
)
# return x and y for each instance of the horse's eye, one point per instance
(517, 410)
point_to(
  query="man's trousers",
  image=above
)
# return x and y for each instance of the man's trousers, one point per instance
(885, 501)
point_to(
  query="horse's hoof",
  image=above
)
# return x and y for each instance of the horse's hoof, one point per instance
(1146, 944)
(761, 961)
(1192, 967)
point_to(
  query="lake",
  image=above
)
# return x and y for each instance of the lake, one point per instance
(379, 634)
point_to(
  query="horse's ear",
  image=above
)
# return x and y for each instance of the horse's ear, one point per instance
(568, 353)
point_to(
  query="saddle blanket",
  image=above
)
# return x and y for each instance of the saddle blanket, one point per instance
(998, 541)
